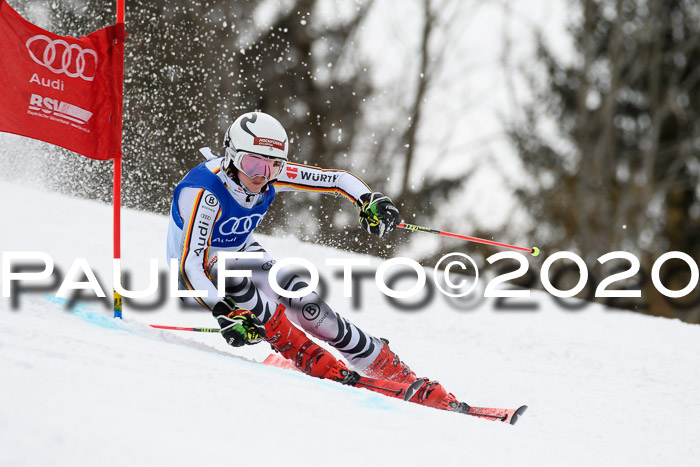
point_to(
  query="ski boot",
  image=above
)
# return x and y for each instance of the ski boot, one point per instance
(388, 366)
(433, 394)
(293, 344)
(312, 359)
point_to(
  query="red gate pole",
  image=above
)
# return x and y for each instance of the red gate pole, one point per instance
(117, 200)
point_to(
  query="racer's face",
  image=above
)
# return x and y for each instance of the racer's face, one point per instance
(253, 184)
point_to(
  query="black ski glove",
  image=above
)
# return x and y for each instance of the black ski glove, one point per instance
(239, 327)
(378, 215)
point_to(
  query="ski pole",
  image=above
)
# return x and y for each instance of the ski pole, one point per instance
(179, 328)
(417, 228)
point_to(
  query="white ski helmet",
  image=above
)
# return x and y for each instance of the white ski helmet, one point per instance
(255, 133)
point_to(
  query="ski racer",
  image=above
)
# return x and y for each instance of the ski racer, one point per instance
(217, 207)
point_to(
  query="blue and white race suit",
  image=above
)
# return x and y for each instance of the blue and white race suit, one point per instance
(211, 213)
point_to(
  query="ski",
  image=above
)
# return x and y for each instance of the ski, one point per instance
(407, 391)
(387, 388)
(510, 416)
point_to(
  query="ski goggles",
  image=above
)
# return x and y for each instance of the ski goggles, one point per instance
(258, 166)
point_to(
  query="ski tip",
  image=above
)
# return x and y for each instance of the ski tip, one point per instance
(517, 414)
(535, 251)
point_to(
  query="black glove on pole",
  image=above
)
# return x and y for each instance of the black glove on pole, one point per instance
(378, 215)
(238, 326)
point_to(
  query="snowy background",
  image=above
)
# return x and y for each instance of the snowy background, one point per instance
(479, 50)
(603, 387)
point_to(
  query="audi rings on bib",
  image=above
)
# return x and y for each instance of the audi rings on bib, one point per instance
(240, 225)
(72, 54)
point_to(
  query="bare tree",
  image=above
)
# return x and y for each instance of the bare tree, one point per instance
(621, 172)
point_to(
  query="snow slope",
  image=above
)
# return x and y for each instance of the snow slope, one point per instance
(79, 388)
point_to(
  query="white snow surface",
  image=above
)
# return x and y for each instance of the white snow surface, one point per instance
(77, 387)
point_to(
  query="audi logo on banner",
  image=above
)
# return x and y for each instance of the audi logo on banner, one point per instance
(61, 57)
(240, 225)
